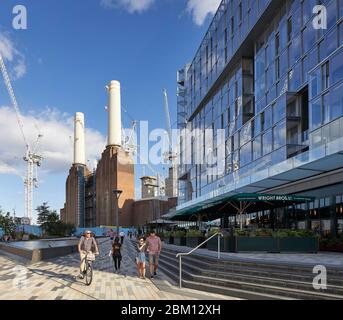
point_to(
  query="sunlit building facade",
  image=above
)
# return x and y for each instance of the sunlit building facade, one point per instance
(272, 78)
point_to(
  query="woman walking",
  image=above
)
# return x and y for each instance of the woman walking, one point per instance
(116, 253)
(140, 259)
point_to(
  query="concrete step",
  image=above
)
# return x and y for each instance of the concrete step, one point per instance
(268, 289)
(197, 273)
(188, 282)
(252, 271)
(224, 263)
(192, 270)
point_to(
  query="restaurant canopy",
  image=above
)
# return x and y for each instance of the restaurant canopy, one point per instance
(231, 205)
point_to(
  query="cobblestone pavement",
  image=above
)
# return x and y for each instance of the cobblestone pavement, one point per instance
(56, 279)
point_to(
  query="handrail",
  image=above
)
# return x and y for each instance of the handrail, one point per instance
(181, 254)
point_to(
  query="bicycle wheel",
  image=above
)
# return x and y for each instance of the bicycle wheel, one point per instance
(89, 274)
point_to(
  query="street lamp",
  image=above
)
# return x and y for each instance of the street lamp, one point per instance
(117, 194)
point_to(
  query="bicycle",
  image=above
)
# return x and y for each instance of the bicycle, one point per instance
(88, 271)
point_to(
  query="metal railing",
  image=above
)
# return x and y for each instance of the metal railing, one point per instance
(180, 255)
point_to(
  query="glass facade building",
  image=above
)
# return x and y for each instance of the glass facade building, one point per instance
(273, 81)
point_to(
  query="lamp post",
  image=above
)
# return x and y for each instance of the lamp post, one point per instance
(117, 194)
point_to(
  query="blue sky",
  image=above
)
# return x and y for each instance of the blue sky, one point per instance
(62, 62)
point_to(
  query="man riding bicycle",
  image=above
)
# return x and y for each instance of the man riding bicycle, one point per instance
(86, 245)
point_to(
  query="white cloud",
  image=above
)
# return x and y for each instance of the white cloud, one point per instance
(131, 6)
(56, 145)
(200, 9)
(12, 56)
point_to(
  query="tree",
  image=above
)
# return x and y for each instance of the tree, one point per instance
(50, 222)
(7, 223)
(43, 213)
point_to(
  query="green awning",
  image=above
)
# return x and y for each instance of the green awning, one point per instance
(230, 205)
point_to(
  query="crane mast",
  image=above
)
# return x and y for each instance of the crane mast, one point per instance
(33, 160)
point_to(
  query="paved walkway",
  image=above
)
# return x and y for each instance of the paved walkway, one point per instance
(329, 259)
(56, 279)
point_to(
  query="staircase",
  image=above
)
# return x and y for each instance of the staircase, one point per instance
(249, 279)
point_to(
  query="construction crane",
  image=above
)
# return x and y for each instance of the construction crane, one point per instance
(171, 154)
(31, 157)
(130, 145)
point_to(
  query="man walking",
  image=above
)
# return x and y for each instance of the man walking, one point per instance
(154, 247)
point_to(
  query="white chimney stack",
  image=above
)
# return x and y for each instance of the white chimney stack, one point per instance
(79, 139)
(114, 114)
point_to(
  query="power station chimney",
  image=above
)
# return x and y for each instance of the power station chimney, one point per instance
(114, 113)
(79, 139)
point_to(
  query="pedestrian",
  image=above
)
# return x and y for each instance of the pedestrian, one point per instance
(116, 253)
(140, 259)
(111, 234)
(121, 234)
(154, 247)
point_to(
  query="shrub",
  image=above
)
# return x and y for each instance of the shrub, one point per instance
(194, 233)
(179, 234)
(212, 232)
(295, 234)
(167, 234)
(242, 233)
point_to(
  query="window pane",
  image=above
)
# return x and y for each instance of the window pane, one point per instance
(279, 135)
(326, 108)
(336, 102)
(279, 110)
(246, 155)
(337, 67)
(267, 142)
(315, 83)
(257, 148)
(315, 114)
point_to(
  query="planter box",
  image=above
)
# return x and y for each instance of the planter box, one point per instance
(169, 240)
(180, 241)
(270, 244)
(307, 245)
(264, 244)
(226, 244)
(336, 247)
(193, 242)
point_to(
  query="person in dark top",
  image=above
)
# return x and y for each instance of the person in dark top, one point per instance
(116, 253)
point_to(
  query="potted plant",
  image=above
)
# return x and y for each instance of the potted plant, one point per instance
(194, 238)
(179, 238)
(298, 241)
(258, 240)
